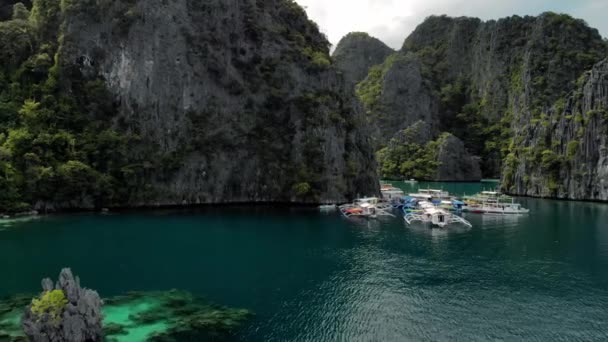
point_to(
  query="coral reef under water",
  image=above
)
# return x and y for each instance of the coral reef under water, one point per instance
(144, 316)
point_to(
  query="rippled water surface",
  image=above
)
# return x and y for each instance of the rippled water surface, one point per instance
(320, 277)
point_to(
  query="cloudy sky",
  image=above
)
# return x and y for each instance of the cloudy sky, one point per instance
(393, 20)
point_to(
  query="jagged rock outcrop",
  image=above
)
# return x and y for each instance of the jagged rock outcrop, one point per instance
(396, 95)
(357, 52)
(414, 152)
(455, 162)
(80, 320)
(417, 133)
(564, 153)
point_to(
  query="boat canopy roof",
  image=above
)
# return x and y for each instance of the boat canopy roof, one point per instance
(367, 200)
(397, 190)
(430, 191)
(420, 195)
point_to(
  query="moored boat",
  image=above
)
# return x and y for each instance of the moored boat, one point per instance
(431, 194)
(427, 212)
(492, 202)
(391, 193)
(370, 207)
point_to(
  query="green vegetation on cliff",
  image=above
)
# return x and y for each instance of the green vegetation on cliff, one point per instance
(491, 84)
(254, 88)
(369, 89)
(409, 160)
(412, 154)
(56, 143)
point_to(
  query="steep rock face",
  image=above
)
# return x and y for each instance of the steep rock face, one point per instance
(240, 95)
(488, 73)
(551, 50)
(564, 153)
(356, 53)
(455, 162)
(484, 81)
(396, 95)
(413, 153)
(418, 132)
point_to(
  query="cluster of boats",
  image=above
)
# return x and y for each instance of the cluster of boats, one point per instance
(432, 206)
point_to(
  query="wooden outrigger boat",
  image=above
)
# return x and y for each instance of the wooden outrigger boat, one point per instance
(370, 207)
(426, 212)
(492, 202)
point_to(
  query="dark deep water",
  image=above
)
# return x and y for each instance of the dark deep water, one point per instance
(317, 277)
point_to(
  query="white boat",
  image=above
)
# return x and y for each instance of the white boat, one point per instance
(392, 193)
(366, 207)
(410, 181)
(328, 207)
(429, 194)
(492, 202)
(501, 208)
(439, 217)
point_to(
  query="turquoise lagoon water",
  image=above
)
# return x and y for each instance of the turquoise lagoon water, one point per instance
(319, 277)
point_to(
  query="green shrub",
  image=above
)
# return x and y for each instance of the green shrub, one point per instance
(369, 90)
(20, 12)
(319, 59)
(550, 161)
(301, 189)
(517, 83)
(559, 106)
(51, 303)
(409, 160)
(593, 112)
(571, 149)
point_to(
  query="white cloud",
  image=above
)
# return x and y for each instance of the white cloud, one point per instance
(393, 20)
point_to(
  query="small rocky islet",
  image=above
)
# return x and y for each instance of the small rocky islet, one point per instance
(77, 314)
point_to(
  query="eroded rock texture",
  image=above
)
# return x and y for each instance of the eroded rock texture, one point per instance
(510, 90)
(357, 52)
(238, 97)
(80, 319)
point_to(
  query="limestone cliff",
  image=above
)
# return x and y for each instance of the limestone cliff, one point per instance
(412, 154)
(455, 162)
(396, 95)
(481, 81)
(215, 101)
(486, 73)
(357, 52)
(240, 89)
(564, 152)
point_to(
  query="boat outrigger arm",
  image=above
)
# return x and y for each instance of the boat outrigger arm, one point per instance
(415, 217)
(349, 210)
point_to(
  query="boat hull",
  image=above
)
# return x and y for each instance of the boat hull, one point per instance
(506, 211)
